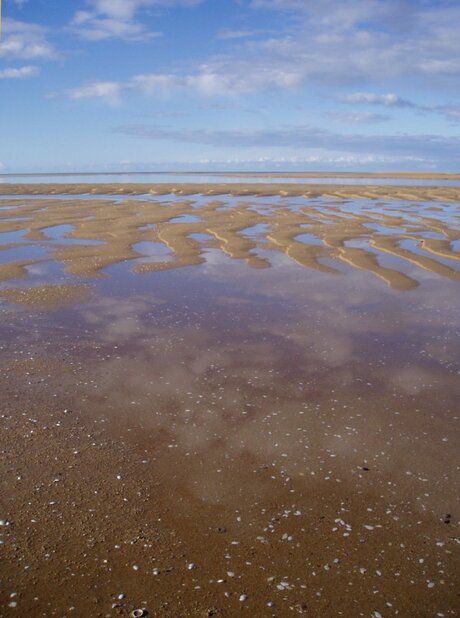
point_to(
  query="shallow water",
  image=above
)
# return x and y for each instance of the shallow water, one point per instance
(90, 235)
(265, 403)
(161, 177)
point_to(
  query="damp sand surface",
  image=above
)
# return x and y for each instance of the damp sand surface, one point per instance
(358, 191)
(258, 415)
(86, 237)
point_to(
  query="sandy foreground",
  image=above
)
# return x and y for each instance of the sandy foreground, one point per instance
(229, 400)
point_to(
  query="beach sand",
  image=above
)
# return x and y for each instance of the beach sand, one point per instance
(223, 403)
(107, 232)
(335, 191)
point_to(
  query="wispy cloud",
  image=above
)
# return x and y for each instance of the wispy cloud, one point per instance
(109, 91)
(308, 138)
(19, 73)
(235, 34)
(93, 27)
(154, 83)
(345, 42)
(358, 117)
(117, 19)
(449, 112)
(171, 114)
(209, 81)
(25, 40)
(332, 43)
(371, 98)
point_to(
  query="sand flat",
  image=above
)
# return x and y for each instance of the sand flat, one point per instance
(403, 193)
(250, 396)
(100, 233)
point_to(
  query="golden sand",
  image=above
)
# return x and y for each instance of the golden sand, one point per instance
(119, 225)
(393, 192)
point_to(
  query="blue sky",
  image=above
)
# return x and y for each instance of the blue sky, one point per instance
(230, 84)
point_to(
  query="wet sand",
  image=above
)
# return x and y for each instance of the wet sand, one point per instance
(89, 235)
(336, 191)
(226, 406)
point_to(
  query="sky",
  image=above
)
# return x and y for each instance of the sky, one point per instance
(98, 85)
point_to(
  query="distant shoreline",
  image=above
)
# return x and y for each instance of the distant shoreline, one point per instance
(255, 174)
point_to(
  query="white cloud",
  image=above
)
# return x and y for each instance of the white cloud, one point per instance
(93, 28)
(371, 98)
(110, 91)
(358, 117)
(155, 83)
(328, 43)
(308, 139)
(234, 76)
(449, 112)
(20, 73)
(151, 84)
(25, 40)
(331, 43)
(346, 42)
(235, 34)
(117, 19)
(209, 81)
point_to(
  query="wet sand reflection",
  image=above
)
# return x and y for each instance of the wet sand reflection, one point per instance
(250, 413)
